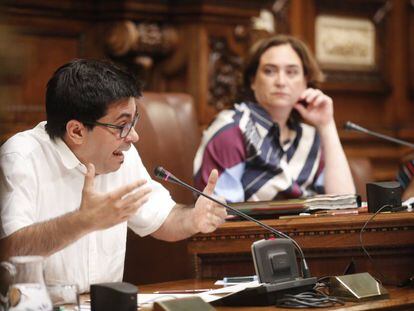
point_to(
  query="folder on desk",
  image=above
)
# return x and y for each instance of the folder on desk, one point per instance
(301, 205)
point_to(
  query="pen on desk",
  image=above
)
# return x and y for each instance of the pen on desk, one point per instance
(302, 215)
(324, 213)
(337, 212)
(345, 212)
(183, 291)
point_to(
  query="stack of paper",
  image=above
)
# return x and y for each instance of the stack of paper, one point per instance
(330, 201)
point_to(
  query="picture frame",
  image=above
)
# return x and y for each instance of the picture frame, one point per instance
(345, 43)
(350, 44)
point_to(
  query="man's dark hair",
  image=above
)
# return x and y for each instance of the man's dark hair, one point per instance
(82, 90)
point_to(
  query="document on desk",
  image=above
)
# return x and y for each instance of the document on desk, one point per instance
(146, 300)
(300, 205)
(234, 288)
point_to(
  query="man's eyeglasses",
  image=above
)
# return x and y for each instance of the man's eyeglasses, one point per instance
(123, 129)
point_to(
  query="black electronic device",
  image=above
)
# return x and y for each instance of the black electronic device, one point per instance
(118, 296)
(385, 195)
(272, 261)
(263, 254)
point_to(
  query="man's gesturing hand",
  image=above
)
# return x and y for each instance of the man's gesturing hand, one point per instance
(104, 210)
(207, 214)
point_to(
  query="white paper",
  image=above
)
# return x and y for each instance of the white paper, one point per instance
(148, 299)
(209, 296)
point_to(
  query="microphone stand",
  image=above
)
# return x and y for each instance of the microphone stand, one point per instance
(167, 176)
(355, 127)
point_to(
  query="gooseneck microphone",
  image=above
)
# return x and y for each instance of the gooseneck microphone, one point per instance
(163, 174)
(354, 127)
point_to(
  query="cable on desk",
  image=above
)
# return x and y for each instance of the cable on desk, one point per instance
(314, 299)
(384, 278)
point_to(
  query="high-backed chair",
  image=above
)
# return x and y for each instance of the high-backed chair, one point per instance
(362, 173)
(169, 137)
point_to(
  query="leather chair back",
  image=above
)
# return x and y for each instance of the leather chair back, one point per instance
(362, 173)
(169, 137)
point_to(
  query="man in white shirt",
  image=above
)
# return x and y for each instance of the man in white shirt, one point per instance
(71, 186)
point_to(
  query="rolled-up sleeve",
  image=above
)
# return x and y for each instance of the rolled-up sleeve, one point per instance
(153, 213)
(18, 194)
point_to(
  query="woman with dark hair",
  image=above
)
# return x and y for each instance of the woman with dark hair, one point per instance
(282, 141)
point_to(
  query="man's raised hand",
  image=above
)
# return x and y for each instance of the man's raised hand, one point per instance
(105, 210)
(208, 215)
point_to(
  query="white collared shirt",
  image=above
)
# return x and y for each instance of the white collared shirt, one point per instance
(41, 179)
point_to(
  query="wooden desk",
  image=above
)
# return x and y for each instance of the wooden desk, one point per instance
(400, 298)
(329, 244)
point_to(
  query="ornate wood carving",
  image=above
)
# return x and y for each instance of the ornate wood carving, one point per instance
(281, 10)
(143, 43)
(225, 72)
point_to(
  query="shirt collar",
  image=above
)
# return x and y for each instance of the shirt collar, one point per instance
(69, 160)
(260, 115)
(264, 122)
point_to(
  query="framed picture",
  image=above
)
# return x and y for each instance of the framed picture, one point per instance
(345, 43)
(349, 43)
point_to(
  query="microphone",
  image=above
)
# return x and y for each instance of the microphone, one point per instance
(355, 127)
(165, 175)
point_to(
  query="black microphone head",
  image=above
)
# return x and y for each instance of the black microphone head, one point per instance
(163, 174)
(160, 172)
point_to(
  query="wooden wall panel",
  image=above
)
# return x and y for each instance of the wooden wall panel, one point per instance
(46, 53)
(43, 44)
(406, 113)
